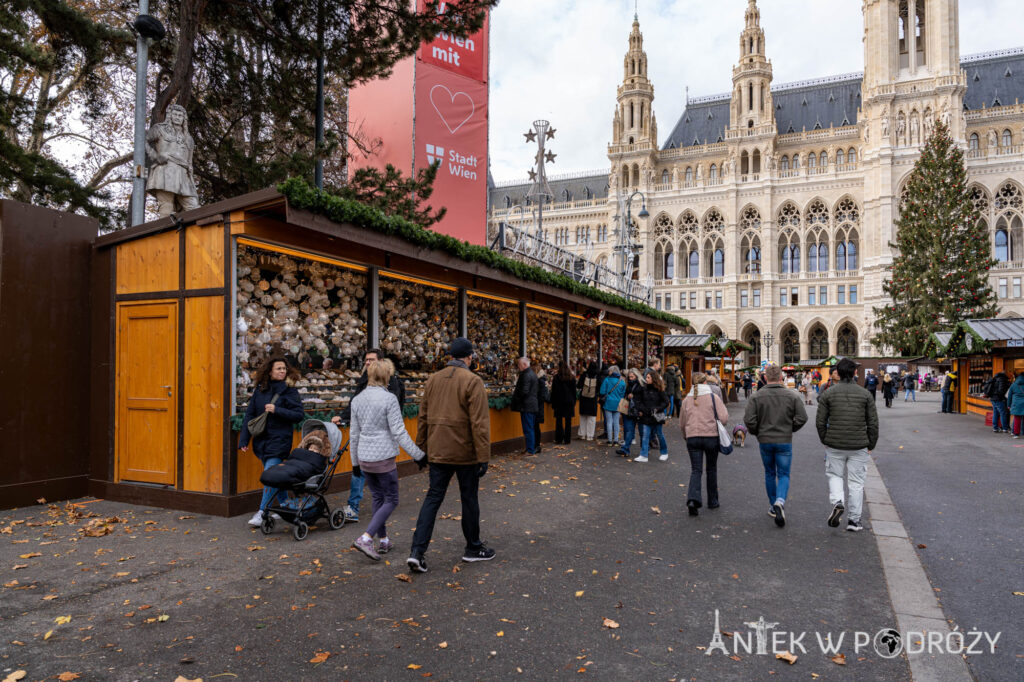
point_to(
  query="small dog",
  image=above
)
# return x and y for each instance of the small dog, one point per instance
(739, 435)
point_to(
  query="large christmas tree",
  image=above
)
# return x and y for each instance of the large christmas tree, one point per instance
(940, 272)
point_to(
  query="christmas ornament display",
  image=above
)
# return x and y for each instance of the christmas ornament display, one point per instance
(418, 322)
(544, 338)
(582, 343)
(636, 349)
(493, 327)
(611, 343)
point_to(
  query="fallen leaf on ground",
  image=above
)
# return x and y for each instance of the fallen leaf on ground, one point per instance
(579, 593)
(610, 624)
(30, 555)
(735, 658)
(413, 666)
(320, 657)
(735, 576)
(920, 546)
(68, 676)
(15, 567)
(404, 577)
(11, 583)
(442, 645)
(164, 618)
(121, 574)
(1018, 594)
(787, 657)
(182, 678)
(62, 620)
(499, 633)
(15, 676)
(41, 500)
(48, 635)
(841, 570)
(839, 659)
(50, 597)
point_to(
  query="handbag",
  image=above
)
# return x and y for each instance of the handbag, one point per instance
(258, 424)
(661, 416)
(724, 439)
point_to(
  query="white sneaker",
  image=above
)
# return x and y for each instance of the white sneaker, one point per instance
(639, 459)
(257, 519)
(663, 458)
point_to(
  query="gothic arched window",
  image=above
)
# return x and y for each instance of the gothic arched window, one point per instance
(973, 141)
(689, 174)
(719, 263)
(664, 177)
(713, 173)
(840, 256)
(1007, 138)
(785, 163)
(851, 156)
(812, 160)
(694, 264)
(791, 346)
(796, 162)
(840, 157)
(823, 160)
(818, 342)
(846, 340)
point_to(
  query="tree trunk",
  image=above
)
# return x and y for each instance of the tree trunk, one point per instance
(180, 85)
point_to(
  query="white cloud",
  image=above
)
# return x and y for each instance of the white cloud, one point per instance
(563, 61)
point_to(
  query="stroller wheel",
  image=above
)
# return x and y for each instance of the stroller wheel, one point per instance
(337, 519)
(268, 524)
(300, 531)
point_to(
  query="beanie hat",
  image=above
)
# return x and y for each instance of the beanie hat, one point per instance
(460, 348)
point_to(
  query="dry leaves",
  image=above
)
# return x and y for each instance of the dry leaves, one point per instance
(499, 633)
(787, 657)
(15, 676)
(413, 666)
(656, 510)
(404, 577)
(442, 645)
(839, 659)
(320, 657)
(610, 624)
(579, 593)
(182, 678)
(68, 676)
(30, 555)
(62, 620)
(97, 528)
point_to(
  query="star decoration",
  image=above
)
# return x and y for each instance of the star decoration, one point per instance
(533, 174)
(550, 134)
(550, 156)
(530, 136)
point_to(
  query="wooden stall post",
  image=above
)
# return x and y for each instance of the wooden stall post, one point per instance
(647, 354)
(373, 309)
(463, 312)
(600, 346)
(566, 339)
(522, 329)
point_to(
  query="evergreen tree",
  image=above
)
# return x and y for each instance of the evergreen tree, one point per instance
(940, 272)
(394, 194)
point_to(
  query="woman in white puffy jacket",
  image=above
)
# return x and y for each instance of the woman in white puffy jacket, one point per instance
(377, 432)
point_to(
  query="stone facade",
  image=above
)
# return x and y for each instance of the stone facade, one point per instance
(772, 208)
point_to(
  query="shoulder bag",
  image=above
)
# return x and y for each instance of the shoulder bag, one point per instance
(623, 401)
(258, 424)
(724, 439)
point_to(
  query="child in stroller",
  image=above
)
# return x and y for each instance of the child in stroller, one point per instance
(306, 474)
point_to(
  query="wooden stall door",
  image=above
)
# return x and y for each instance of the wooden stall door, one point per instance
(147, 353)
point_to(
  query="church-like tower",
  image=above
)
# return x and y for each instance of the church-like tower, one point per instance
(634, 121)
(751, 107)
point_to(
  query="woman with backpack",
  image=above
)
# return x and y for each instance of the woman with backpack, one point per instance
(613, 391)
(652, 406)
(587, 386)
(563, 402)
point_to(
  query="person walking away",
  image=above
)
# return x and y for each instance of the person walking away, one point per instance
(748, 384)
(524, 401)
(888, 389)
(871, 384)
(816, 381)
(698, 420)
(543, 398)
(910, 387)
(454, 429)
(805, 389)
(773, 415)
(588, 388)
(652, 406)
(715, 384)
(847, 423)
(997, 389)
(948, 391)
(377, 431)
(563, 402)
(629, 419)
(673, 387)
(1016, 404)
(276, 396)
(612, 391)
(396, 388)
(602, 429)
(760, 381)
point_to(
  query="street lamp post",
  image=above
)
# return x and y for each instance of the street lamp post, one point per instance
(768, 339)
(626, 248)
(148, 30)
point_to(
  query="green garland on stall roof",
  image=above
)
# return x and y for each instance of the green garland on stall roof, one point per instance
(303, 196)
(409, 411)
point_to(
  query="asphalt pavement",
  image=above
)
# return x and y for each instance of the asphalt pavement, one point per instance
(599, 572)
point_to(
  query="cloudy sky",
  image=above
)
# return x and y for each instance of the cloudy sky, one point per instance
(562, 60)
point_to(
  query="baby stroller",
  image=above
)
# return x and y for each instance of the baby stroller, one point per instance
(311, 505)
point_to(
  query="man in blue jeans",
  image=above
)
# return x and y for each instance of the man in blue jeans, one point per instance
(772, 415)
(525, 401)
(997, 389)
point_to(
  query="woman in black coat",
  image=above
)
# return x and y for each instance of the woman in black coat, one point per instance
(589, 386)
(274, 378)
(652, 404)
(563, 402)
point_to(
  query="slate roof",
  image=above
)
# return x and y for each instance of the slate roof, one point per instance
(581, 186)
(687, 340)
(997, 329)
(993, 79)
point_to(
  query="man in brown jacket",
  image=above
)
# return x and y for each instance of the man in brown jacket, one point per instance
(454, 429)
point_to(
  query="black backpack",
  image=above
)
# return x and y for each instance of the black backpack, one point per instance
(988, 387)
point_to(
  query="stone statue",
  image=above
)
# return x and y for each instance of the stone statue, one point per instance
(699, 172)
(169, 153)
(929, 121)
(675, 176)
(993, 139)
(867, 132)
(885, 124)
(771, 161)
(901, 126)
(915, 128)
(945, 112)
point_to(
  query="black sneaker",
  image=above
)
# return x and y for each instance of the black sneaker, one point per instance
(481, 553)
(854, 526)
(780, 515)
(417, 564)
(771, 511)
(837, 513)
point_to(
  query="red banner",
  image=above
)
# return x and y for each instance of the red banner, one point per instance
(451, 127)
(464, 56)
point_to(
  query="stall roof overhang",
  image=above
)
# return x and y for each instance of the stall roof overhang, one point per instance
(1003, 329)
(272, 204)
(693, 341)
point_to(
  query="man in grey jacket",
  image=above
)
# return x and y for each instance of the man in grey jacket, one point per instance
(525, 401)
(847, 424)
(773, 414)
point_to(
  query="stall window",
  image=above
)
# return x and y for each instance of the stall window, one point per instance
(980, 371)
(611, 344)
(757, 298)
(636, 348)
(853, 294)
(743, 298)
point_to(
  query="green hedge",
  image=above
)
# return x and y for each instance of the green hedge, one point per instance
(409, 411)
(303, 196)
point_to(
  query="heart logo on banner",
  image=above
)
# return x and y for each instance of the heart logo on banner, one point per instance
(449, 107)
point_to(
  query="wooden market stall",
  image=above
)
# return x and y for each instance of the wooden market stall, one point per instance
(978, 349)
(686, 351)
(194, 307)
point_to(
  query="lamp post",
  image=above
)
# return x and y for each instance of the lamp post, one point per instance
(148, 29)
(768, 339)
(626, 248)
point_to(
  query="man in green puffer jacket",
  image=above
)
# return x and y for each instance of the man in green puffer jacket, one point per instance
(847, 424)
